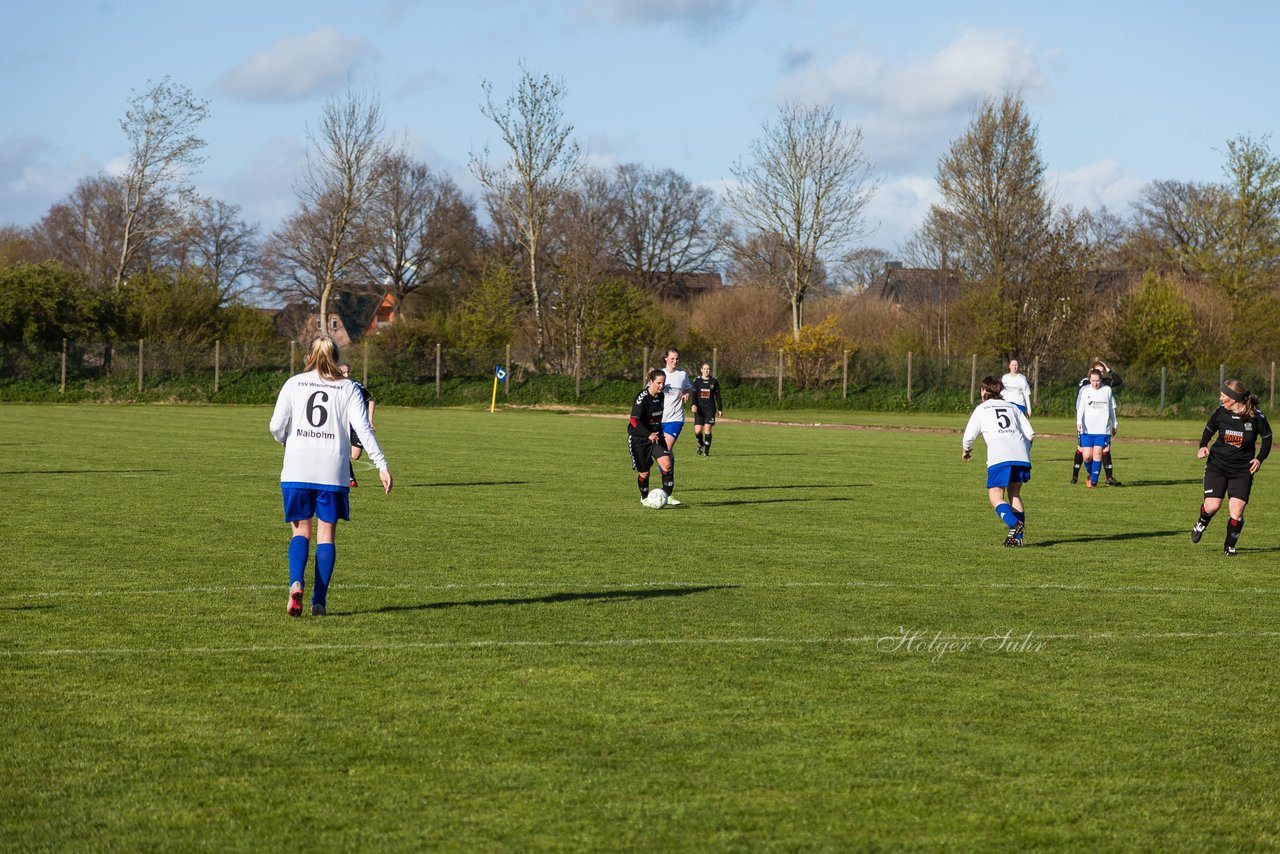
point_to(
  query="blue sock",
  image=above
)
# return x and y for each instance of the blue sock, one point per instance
(326, 556)
(1095, 468)
(1006, 514)
(298, 548)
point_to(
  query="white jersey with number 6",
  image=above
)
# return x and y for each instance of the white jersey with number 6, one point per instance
(1004, 428)
(314, 418)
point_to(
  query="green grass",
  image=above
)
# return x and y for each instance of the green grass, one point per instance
(519, 656)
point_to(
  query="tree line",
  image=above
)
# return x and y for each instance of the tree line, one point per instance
(558, 258)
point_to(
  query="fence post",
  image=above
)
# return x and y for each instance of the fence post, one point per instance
(779, 375)
(139, 366)
(1164, 371)
(844, 378)
(438, 361)
(973, 376)
(715, 352)
(577, 371)
(1035, 381)
(1272, 403)
(644, 365)
(62, 388)
(908, 376)
(506, 381)
(292, 346)
(364, 381)
(1222, 374)
(217, 364)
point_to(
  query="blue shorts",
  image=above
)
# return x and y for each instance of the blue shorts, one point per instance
(1021, 408)
(303, 503)
(672, 428)
(1094, 440)
(1003, 474)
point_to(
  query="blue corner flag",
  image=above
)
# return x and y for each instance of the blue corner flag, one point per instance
(500, 372)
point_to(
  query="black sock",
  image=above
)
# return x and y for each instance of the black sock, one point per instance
(1106, 465)
(1205, 516)
(1076, 463)
(1234, 526)
(669, 481)
(702, 439)
(352, 469)
(643, 483)
(706, 439)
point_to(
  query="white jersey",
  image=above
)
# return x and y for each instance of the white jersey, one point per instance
(1096, 410)
(1004, 428)
(1017, 390)
(314, 418)
(673, 404)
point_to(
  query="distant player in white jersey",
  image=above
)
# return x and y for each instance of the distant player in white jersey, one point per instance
(1008, 435)
(675, 395)
(1095, 422)
(315, 413)
(1016, 388)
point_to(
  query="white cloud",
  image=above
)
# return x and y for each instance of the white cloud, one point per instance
(908, 110)
(298, 66)
(1094, 185)
(695, 15)
(979, 64)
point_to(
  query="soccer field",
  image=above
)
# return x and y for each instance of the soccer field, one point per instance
(826, 647)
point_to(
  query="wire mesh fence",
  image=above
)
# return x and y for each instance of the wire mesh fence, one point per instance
(876, 378)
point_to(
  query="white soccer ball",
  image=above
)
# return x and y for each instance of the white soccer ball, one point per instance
(656, 499)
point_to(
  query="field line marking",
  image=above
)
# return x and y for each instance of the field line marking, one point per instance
(608, 642)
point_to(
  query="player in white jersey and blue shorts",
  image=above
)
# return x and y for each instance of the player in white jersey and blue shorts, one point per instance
(675, 394)
(1095, 422)
(314, 416)
(1008, 435)
(1016, 388)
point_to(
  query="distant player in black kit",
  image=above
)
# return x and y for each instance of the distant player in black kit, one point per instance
(644, 436)
(1244, 441)
(1112, 379)
(706, 406)
(356, 447)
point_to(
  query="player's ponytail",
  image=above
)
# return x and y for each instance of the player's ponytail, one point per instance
(991, 388)
(323, 358)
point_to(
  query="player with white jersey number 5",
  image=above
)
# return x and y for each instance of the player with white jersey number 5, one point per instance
(1008, 435)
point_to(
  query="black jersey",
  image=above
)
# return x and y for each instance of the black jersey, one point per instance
(1238, 440)
(1109, 378)
(646, 415)
(706, 394)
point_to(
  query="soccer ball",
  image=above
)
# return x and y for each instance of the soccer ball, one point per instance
(656, 499)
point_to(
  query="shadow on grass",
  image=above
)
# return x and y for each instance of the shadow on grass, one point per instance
(1128, 535)
(1140, 483)
(796, 486)
(770, 501)
(736, 455)
(467, 483)
(549, 599)
(26, 607)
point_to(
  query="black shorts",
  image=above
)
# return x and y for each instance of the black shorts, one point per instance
(704, 416)
(355, 440)
(644, 452)
(1219, 484)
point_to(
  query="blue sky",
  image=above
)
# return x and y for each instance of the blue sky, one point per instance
(1123, 92)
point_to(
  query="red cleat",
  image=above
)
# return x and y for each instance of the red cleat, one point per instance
(295, 600)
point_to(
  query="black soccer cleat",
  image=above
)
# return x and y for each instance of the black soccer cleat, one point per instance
(1229, 551)
(1197, 531)
(1074, 478)
(1111, 481)
(1015, 536)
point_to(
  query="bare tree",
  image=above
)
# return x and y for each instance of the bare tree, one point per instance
(419, 230)
(221, 244)
(807, 188)
(667, 227)
(544, 162)
(161, 126)
(83, 231)
(341, 177)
